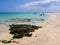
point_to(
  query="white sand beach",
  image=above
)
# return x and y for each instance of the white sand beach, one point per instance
(48, 35)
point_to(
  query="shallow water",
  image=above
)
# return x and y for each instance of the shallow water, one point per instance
(21, 15)
(10, 17)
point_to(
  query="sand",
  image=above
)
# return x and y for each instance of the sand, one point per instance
(48, 35)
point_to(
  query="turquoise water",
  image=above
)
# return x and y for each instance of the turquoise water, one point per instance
(22, 15)
(7, 16)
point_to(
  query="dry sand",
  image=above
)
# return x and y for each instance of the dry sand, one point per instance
(48, 35)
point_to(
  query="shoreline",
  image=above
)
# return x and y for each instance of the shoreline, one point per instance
(39, 18)
(48, 35)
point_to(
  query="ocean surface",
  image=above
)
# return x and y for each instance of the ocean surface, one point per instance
(18, 17)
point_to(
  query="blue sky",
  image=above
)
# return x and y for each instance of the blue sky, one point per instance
(29, 5)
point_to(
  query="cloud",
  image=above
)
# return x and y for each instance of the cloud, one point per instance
(41, 5)
(37, 3)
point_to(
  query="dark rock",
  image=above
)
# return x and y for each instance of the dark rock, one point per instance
(42, 19)
(29, 20)
(28, 35)
(5, 41)
(22, 30)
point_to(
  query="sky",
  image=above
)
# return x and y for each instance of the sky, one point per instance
(29, 5)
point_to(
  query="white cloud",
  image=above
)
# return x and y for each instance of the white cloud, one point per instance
(41, 5)
(35, 3)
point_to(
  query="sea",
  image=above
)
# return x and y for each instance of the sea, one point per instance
(23, 17)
